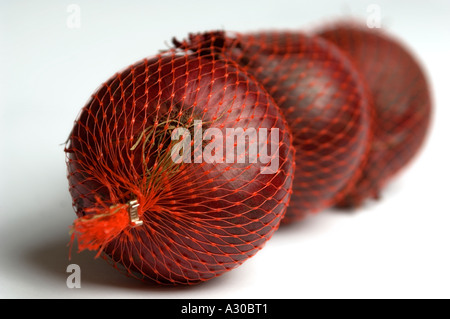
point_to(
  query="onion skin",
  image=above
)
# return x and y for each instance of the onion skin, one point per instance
(200, 220)
(401, 98)
(325, 102)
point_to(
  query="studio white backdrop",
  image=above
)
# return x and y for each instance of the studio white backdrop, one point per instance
(54, 54)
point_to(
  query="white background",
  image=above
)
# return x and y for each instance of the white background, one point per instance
(396, 248)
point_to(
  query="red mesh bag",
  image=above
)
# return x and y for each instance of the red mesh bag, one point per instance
(401, 101)
(323, 98)
(157, 209)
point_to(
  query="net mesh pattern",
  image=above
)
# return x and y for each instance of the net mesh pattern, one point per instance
(154, 186)
(323, 98)
(199, 218)
(401, 102)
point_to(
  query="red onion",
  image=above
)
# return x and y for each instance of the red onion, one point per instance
(323, 98)
(401, 98)
(173, 222)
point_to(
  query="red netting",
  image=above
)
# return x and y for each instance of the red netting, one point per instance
(323, 98)
(200, 219)
(170, 208)
(401, 98)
